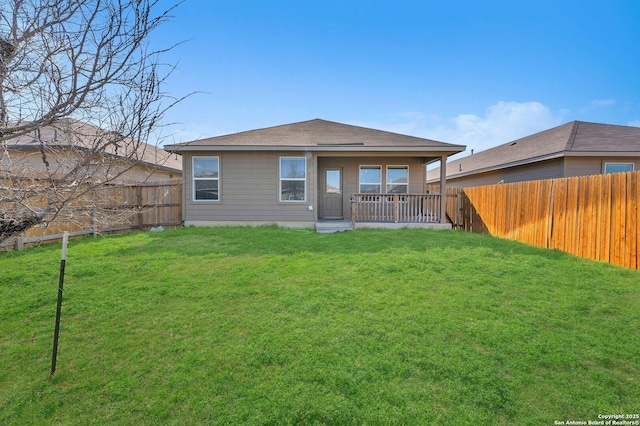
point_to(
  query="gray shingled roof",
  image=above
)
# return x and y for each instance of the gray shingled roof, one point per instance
(317, 135)
(574, 138)
(72, 133)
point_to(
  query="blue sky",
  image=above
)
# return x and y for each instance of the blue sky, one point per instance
(477, 73)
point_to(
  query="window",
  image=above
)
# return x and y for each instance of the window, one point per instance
(618, 167)
(333, 182)
(206, 178)
(293, 179)
(397, 179)
(370, 179)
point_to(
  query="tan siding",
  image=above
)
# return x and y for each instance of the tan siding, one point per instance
(29, 163)
(582, 166)
(248, 190)
(249, 186)
(540, 170)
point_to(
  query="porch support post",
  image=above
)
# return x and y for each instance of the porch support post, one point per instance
(443, 185)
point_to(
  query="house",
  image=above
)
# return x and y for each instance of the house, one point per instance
(577, 148)
(60, 147)
(298, 174)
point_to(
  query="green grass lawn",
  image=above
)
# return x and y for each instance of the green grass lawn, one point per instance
(276, 326)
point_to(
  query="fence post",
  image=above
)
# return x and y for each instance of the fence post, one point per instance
(94, 218)
(139, 205)
(352, 200)
(56, 333)
(396, 208)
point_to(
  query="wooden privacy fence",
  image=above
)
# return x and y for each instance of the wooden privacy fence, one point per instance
(452, 203)
(595, 217)
(110, 208)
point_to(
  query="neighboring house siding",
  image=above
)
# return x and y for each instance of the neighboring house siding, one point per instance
(582, 166)
(249, 183)
(60, 163)
(550, 169)
(32, 162)
(140, 173)
(540, 170)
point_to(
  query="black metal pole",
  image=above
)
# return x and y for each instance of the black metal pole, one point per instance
(56, 334)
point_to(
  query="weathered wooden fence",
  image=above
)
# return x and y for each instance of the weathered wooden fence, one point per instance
(595, 217)
(111, 208)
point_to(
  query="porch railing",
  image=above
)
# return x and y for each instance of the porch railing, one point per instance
(409, 208)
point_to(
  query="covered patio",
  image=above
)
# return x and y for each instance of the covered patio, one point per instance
(385, 190)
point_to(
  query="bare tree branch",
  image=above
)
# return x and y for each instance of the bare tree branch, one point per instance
(79, 86)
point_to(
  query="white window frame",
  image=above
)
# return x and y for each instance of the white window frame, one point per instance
(618, 163)
(360, 183)
(281, 179)
(387, 183)
(194, 178)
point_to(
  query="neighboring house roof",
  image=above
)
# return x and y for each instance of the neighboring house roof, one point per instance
(69, 133)
(317, 135)
(577, 138)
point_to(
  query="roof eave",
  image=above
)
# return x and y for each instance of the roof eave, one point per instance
(451, 149)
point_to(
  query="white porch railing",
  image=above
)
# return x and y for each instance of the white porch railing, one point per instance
(409, 208)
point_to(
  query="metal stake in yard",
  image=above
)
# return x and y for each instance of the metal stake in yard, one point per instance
(63, 260)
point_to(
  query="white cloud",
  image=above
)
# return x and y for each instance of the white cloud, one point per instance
(634, 123)
(500, 123)
(600, 103)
